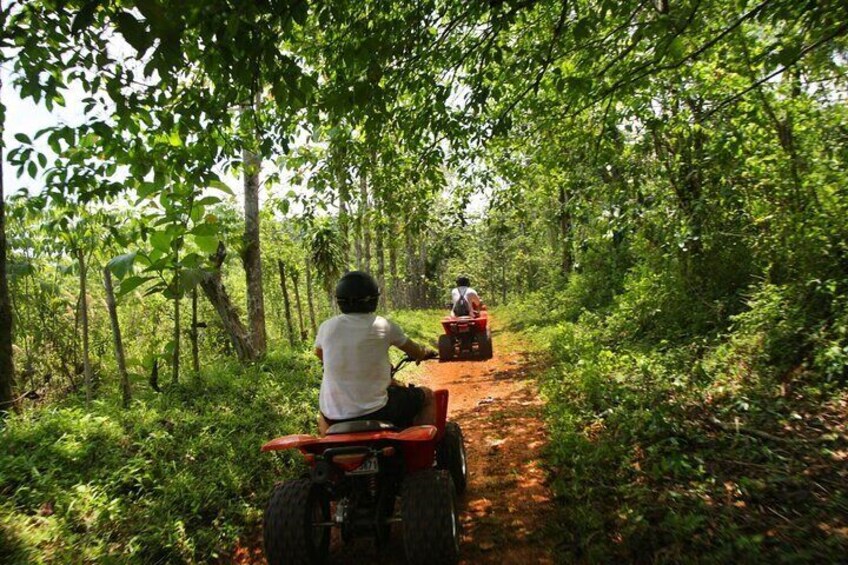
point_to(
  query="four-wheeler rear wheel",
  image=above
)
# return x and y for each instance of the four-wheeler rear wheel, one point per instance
(450, 456)
(445, 348)
(429, 517)
(486, 346)
(291, 534)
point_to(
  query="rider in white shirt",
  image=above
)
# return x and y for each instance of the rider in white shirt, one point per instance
(354, 348)
(465, 300)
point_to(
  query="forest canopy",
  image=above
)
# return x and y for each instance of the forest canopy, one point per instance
(655, 188)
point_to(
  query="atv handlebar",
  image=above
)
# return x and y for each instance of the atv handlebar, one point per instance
(407, 360)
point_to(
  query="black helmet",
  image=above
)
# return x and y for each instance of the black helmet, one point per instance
(357, 293)
(462, 281)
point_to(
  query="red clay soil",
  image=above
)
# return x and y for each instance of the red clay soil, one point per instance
(507, 511)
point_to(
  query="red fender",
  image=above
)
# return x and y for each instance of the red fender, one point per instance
(418, 442)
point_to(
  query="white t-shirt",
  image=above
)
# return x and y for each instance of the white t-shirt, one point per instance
(357, 369)
(470, 295)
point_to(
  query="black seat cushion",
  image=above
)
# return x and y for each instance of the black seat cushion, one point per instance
(356, 426)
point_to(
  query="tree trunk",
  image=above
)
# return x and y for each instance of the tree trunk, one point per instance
(217, 294)
(365, 228)
(357, 241)
(252, 257)
(503, 281)
(86, 360)
(154, 376)
(298, 303)
(309, 298)
(393, 268)
(286, 302)
(381, 264)
(195, 350)
(175, 360)
(423, 300)
(7, 366)
(566, 259)
(409, 281)
(344, 212)
(126, 392)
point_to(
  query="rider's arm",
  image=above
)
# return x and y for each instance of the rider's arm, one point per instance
(415, 350)
(319, 353)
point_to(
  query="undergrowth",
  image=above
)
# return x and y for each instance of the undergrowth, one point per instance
(176, 478)
(678, 439)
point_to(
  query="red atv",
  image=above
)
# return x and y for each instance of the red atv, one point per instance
(465, 337)
(358, 472)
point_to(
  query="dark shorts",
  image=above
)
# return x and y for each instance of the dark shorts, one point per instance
(405, 402)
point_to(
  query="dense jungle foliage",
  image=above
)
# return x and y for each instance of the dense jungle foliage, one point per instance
(654, 190)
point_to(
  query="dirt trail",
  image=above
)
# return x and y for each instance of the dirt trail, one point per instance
(507, 509)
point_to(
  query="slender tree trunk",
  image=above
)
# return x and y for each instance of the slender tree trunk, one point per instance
(154, 376)
(86, 359)
(566, 259)
(423, 298)
(217, 294)
(7, 366)
(252, 256)
(410, 281)
(126, 392)
(393, 267)
(364, 223)
(344, 212)
(381, 264)
(195, 349)
(357, 241)
(286, 302)
(295, 283)
(309, 298)
(503, 281)
(175, 361)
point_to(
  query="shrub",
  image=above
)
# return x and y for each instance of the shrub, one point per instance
(176, 478)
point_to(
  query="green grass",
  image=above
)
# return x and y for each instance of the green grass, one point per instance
(421, 325)
(176, 478)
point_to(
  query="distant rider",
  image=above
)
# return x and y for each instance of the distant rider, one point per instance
(466, 301)
(354, 348)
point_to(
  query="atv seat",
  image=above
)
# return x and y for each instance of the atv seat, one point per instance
(357, 426)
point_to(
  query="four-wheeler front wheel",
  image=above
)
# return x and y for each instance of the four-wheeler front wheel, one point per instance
(450, 456)
(430, 519)
(295, 524)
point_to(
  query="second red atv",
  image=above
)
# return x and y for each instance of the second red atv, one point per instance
(360, 473)
(465, 337)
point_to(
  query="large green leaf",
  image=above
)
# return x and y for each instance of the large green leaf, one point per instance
(161, 240)
(122, 264)
(206, 230)
(131, 283)
(207, 244)
(222, 186)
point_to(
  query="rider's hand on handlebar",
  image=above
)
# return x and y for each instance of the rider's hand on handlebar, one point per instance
(426, 353)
